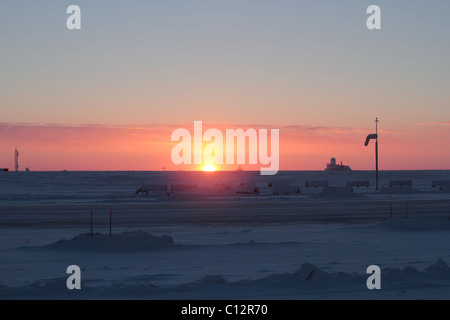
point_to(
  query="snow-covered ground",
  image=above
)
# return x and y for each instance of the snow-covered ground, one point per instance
(212, 246)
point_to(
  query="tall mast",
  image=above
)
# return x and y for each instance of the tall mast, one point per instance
(376, 152)
(375, 137)
(16, 159)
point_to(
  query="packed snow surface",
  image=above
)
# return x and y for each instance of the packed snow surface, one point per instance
(201, 243)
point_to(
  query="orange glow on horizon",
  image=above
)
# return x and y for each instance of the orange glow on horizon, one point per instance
(209, 167)
(117, 148)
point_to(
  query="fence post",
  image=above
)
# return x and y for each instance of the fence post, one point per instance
(92, 227)
(406, 214)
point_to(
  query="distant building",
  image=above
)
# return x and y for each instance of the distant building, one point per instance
(332, 166)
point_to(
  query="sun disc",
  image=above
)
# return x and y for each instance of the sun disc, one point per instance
(209, 167)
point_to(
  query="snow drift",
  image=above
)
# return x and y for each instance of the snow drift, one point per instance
(309, 281)
(127, 241)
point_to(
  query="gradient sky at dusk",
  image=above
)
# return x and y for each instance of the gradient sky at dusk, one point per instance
(108, 97)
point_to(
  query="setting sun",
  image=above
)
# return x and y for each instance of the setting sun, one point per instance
(209, 167)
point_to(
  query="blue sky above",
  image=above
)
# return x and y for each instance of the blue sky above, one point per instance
(283, 62)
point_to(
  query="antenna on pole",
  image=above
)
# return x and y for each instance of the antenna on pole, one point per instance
(16, 159)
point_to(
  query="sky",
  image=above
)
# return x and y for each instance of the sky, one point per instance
(108, 96)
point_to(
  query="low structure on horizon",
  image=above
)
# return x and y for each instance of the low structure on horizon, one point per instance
(339, 191)
(358, 184)
(400, 183)
(316, 184)
(284, 187)
(154, 188)
(247, 188)
(441, 185)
